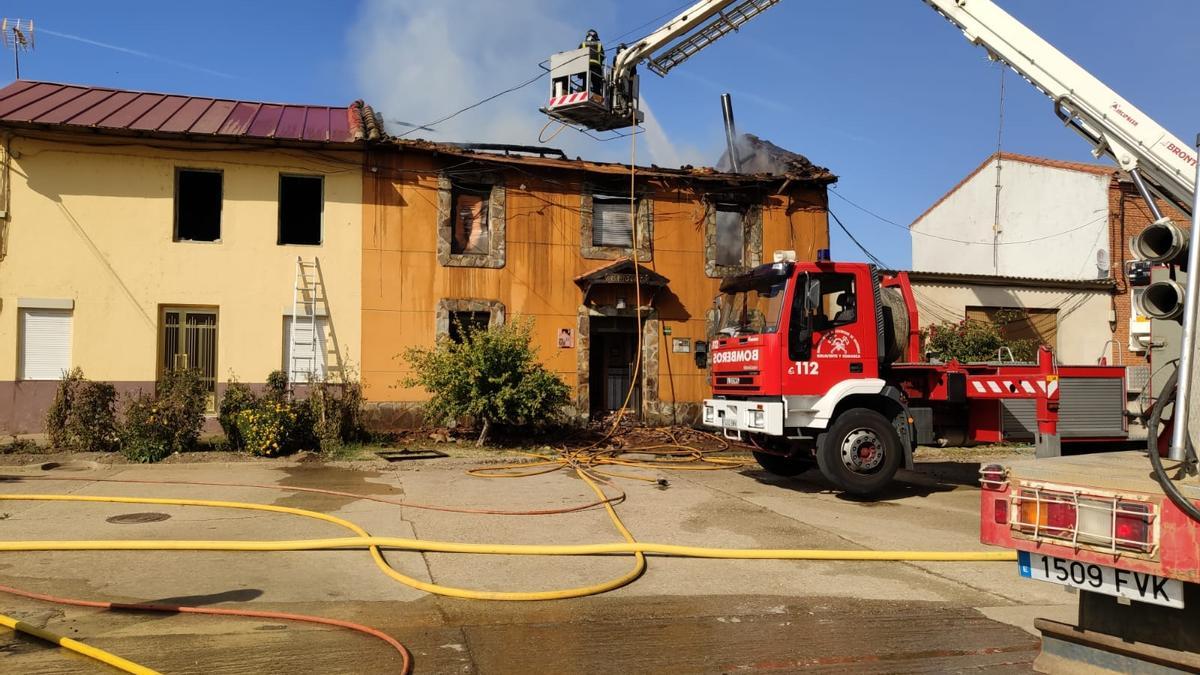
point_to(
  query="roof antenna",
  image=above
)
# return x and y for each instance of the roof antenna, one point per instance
(17, 34)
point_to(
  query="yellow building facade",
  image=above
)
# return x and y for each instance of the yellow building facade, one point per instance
(98, 269)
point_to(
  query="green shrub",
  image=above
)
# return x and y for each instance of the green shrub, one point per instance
(83, 414)
(277, 386)
(237, 397)
(268, 429)
(168, 422)
(336, 413)
(491, 377)
(973, 341)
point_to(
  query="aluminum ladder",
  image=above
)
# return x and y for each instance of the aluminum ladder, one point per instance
(308, 296)
(727, 21)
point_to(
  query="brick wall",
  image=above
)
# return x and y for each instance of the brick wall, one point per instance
(1127, 216)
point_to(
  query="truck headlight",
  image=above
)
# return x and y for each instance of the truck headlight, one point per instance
(757, 419)
(710, 414)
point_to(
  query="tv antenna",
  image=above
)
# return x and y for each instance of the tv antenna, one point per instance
(17, 34)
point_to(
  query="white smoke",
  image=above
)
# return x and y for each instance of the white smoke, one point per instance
(420, 60)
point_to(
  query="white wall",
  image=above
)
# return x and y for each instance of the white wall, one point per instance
(1035, 201)
(1083, 316)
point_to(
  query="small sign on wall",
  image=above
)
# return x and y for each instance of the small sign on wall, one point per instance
(681, 345)
(566, 338)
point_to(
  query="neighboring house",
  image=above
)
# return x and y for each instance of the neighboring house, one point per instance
(1060, 313)
(1048, 219)
(143, 232)
(453, 236)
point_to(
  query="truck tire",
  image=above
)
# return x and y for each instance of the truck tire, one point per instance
(861, 452)
(783, 466)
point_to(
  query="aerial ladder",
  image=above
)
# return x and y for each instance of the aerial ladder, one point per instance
(1125, 537)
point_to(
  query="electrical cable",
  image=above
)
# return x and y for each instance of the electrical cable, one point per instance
(1160, 473)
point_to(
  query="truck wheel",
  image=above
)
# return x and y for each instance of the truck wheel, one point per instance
(783, 466)
(861, 452)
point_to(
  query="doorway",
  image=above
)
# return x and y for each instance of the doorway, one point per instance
(614, 344)
(188, 340)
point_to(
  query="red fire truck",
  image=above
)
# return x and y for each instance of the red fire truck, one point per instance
(819, 363)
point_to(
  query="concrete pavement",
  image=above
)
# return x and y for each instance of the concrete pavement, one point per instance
(683, 615)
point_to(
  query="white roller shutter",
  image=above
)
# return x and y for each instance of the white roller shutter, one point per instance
(611, 225)
(45, 352)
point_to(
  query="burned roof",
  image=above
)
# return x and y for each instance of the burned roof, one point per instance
(760, 156)
(50, 104)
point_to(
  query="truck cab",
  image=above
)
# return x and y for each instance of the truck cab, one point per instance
(796, 346)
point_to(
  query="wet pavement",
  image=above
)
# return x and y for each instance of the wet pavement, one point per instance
(682, 615)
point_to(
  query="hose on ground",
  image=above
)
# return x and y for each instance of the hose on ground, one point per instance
(1166, 396)
(76, 646)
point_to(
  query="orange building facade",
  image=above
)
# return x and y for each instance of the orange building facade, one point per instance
(454, 237)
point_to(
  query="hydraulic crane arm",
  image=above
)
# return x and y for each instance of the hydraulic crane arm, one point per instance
(1113, 125)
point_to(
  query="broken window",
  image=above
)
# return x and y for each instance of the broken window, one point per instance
(469, 207)
(731, 235)
(197, 205)
(301, 202)
(611, 224)
(465, 323)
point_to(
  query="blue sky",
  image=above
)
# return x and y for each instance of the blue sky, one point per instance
(885, 93)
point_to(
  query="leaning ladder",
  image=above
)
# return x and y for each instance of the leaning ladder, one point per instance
(308, 294)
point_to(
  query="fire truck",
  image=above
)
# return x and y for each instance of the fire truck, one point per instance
(819, 363)
(816, 363)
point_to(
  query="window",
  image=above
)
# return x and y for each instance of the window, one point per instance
(189, 341)
(463, 323)
(839, 302)
(471, 233)
(731, 235)
(301, 202)
(304, 351)
(611, 225)
(455, 317)
(45, 343)
(197, 205)
(1020, 323)
(471, 221)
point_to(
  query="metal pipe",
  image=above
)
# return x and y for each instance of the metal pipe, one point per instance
(1141, 188)
(730, 133)
(1179, 433)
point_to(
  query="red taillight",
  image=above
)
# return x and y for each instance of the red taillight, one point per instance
(1060, 515)
(1000, 511)
(1133, 526)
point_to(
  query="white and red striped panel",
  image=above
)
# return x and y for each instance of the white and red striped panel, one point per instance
(568, 99)
(1012, 387)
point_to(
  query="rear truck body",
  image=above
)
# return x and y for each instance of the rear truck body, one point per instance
(1102, 524)
(820, 362)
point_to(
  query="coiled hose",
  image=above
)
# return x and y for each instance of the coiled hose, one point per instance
(1167, 395)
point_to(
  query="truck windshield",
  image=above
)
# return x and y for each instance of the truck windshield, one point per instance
(752, 311)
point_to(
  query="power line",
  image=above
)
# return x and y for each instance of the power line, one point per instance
(961, 241)
(476, 104)
(870, 256)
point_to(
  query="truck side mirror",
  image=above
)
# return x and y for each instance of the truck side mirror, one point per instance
(812, 297)
(701, 355)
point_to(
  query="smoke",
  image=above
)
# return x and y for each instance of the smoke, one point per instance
(417, 61)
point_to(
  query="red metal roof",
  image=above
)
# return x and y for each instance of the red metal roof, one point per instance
(49, 103)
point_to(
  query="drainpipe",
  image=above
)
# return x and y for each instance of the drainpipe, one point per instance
(730, 133)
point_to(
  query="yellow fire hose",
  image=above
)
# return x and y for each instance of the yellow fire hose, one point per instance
(363, 539)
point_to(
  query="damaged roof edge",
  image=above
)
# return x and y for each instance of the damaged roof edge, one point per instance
(812, 174)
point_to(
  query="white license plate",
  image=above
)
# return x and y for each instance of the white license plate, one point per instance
(1100, 579)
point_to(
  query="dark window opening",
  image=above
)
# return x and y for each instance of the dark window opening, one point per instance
(300, 205)
(471, 231)
(197, 205)
(611, 224)
(463, 324)
(839, 301)
(731, 235)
